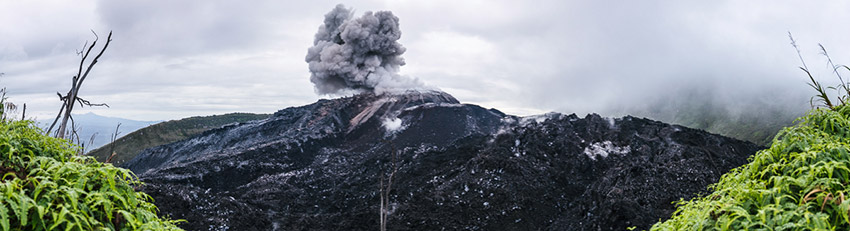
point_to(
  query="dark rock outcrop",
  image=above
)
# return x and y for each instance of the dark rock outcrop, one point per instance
(460, 167)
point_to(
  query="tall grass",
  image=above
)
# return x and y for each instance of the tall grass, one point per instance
(821, 96)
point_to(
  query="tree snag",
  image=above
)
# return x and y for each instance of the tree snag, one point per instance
(72, 97)
(386, 186)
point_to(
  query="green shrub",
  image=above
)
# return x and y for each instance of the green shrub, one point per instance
(44, 186)
(802, 182)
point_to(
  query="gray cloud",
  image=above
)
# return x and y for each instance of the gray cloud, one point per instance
(605, 57)
(187, 27)
(176, 59)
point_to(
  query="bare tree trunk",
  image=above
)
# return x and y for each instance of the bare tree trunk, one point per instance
(58, 115)
(383, 209)
(112, 144)
(385, 192)
(72, 97)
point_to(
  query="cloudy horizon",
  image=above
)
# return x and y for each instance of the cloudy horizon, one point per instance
(170, 60)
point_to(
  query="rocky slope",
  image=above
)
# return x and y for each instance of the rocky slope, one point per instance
(459, 166)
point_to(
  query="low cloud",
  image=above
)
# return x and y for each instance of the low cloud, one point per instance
(521, 57)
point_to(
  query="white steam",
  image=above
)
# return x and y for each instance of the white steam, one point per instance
(393, 125)
(604, 149)
(358, 53)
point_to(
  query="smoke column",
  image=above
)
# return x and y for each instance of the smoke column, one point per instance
(358, 53)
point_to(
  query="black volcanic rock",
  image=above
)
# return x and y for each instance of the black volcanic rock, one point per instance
(460, 167)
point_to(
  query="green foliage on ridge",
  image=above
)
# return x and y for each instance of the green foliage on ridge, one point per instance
(802, 182)
(127, 147)
(45, 186)
(758, 126)
(752, 118)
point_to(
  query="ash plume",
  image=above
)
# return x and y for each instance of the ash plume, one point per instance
(358, 53)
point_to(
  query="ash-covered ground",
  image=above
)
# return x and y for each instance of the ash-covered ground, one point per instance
(459, 167)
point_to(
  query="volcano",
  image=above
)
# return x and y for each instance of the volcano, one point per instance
(455, 167)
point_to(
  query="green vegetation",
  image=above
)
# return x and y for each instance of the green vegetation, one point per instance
(44, 186)
(821, 95)
(755, 119)
(745, 127)
(759, 125)
(167, 132)
(802, 182)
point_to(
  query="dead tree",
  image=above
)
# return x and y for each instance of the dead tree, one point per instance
(6, 107)
(72, 97)
(386, 187)
(112, 144)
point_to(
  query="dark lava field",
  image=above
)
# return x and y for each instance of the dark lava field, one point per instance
(457, 167)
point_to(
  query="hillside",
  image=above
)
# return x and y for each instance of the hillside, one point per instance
(128, 146)
(752, 119)
(799, 183)
(458, 167)
(758, 125)
(100, 127)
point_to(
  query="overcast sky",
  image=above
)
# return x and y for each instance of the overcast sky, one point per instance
(174, 59)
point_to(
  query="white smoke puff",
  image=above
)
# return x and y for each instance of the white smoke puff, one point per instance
(393, 125)
(360, 54)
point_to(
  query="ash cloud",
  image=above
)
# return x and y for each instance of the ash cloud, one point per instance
(359, 54)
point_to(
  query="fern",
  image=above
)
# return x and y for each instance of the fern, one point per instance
(802, 182)
(45, 186)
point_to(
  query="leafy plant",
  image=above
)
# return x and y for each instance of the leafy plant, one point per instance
(802, 182)
(45, 186)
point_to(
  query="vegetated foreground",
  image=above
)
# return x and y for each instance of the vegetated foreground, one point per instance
(459, 166)
(45, 186)
(799, 183)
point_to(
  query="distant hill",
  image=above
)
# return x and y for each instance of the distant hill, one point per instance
(758, 125)
(756, 120)
(101, 127)
(167, 132)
